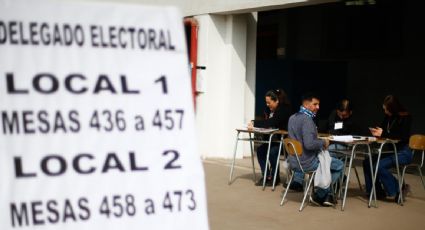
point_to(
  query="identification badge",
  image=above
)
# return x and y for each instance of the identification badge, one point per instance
(338, 125)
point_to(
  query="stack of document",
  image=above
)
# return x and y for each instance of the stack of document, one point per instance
(264, 130)
(260, 130)
(343, 138)
(350, 138)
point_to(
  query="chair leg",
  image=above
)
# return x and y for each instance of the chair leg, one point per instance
(422, 178)
(306, 192)
(277, 166)
(287, 188)
(358, 179)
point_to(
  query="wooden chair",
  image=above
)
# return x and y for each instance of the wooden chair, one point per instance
(294, 148)
(416, 144)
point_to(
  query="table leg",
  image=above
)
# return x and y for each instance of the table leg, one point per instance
(400, 183)
(341, 180)
(234, 156)
(251, 143)
(267, 162)
(373, 192)
(348, 178)
(369, 155)
(277, 163)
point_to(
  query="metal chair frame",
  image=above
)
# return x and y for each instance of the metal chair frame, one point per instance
(416, 144)
(294, 147)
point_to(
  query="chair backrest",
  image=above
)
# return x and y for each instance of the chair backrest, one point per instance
(293, 146)
(417, 142)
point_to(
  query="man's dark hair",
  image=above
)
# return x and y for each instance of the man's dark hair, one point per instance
(309, 96)
(344, 105)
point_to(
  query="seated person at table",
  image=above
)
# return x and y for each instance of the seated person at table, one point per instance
(340, 121)
(276, 116)
(396, 125)
(302, 128)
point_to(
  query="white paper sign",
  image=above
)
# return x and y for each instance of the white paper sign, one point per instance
(96, 119)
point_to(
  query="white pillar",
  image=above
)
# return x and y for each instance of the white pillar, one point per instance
(222, 48)
(251, 63)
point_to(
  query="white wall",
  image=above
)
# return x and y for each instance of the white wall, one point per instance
(200, 7)
(221, 108)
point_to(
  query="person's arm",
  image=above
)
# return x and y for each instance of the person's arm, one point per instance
(379, 131)
(400, 129)
(268, 123)
(279, 120)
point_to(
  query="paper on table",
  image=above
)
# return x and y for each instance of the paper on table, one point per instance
(344, 138)
(260, 130)
(264, 130)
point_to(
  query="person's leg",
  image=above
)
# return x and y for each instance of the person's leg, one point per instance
(404, 156)
(320, 194)
(327, 195)
(298, 178)
(261, 157)
(380, 193)
(386, 177)
(388, 180)
(274, 151)
(367, 175)
(337, 167)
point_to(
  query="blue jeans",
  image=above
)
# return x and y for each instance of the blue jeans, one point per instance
(262, 158)
(336, 171)
(384, 175)
(334, 146)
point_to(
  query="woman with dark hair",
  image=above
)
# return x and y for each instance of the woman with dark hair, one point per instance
(276, 116)
(396, 125)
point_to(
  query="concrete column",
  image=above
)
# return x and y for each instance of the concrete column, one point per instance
(221, 108)
(251, 63)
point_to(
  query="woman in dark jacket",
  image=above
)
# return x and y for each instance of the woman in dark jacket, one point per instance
(396, 125)
(276, 116)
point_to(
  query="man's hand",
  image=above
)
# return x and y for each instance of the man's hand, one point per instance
(326, 143)
(250, 125)
(376, 132)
